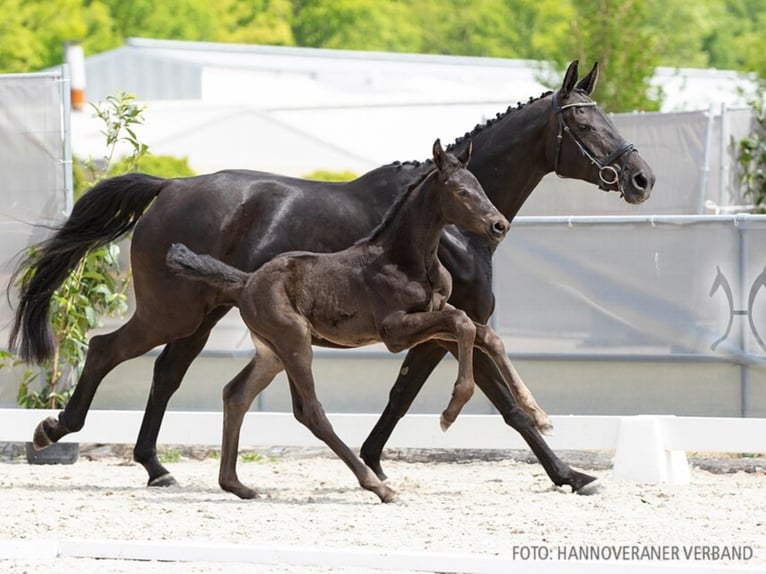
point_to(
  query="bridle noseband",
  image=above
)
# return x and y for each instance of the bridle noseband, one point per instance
(607, 173)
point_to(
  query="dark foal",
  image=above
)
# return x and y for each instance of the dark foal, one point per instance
(389, 287)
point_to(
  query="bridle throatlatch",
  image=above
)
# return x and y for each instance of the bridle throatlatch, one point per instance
(608, 174)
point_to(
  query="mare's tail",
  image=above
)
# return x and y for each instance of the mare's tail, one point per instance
(185, 263)
(102, 215)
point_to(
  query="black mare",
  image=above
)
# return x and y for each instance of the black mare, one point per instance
(245, 218)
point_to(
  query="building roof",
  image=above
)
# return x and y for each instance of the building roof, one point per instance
(295, 110)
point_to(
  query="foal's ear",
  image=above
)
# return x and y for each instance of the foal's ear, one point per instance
(570, 80)
(440, 157)
(465, 156)
(588, 83)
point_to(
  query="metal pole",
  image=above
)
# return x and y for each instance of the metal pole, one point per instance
(67, 137)
(744, 368)
(706, 162)
(724, 167)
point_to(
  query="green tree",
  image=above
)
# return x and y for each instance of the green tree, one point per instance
(355, 25)
(255, 22)
(170, 19)
(616, 34)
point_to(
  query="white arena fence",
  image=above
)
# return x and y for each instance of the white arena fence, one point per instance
(648, 448)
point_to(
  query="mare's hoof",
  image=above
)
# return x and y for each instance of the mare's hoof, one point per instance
(377, 469)
(40, 438)
(163, 480)
(444, 423)
(238, 489)
(593, 487)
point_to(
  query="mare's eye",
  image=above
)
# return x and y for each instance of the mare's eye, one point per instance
(583, 128)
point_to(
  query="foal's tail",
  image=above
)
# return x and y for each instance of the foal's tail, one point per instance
(184, 262)
(105, 213)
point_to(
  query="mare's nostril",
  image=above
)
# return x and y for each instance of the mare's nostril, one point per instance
(640, 181)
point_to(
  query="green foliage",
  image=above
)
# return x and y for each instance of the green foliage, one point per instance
(615, 32)
(120, 115)
(170, 456)
(327, 175)
(751, 160)
(255, 22)
(95, 288)
(160, 165)
(251, 457)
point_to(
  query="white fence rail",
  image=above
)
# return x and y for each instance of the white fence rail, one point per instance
(648, 448)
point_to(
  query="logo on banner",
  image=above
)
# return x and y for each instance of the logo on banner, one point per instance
(722, 283)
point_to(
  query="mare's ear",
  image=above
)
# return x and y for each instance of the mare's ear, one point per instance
(588, 83)
(570, 80)
(440, 157)
(465, 156)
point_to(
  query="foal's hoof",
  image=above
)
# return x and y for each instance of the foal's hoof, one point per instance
(387, 494)
(445, 423)
(40, 438)
(546, 429)
(163, 480)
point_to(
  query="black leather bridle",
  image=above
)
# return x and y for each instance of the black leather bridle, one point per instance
(608, 174)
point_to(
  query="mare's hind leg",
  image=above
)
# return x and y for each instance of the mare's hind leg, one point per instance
(238, 395)
(491, 343)
(309, 412)
(169, 370)
(418, 364)
(104, 353)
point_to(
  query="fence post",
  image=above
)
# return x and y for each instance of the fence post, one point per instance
(641, 456)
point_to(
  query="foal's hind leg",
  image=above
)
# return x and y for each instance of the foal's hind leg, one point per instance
(309, 412)
(238, 395)
(491, 344)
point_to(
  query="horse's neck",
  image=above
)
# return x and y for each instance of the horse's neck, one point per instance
(509, 156)
(412, 236)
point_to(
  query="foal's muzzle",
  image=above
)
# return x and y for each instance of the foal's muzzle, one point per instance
(498, 227)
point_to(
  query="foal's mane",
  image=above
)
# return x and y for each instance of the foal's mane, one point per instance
(395, 207)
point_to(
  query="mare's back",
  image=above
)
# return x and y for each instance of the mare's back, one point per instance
(245, 218)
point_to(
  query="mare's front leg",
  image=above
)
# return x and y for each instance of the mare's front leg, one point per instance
(403, 330)
(169, 370)
(418, 364)
(490, 343)
(499, 393)
(238, 395)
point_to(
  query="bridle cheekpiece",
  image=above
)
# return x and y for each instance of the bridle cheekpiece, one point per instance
(607, 173)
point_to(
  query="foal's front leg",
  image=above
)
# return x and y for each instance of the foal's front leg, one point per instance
(490, 343)
(403, 330)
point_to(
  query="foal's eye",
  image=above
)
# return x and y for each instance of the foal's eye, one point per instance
(462, 192)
